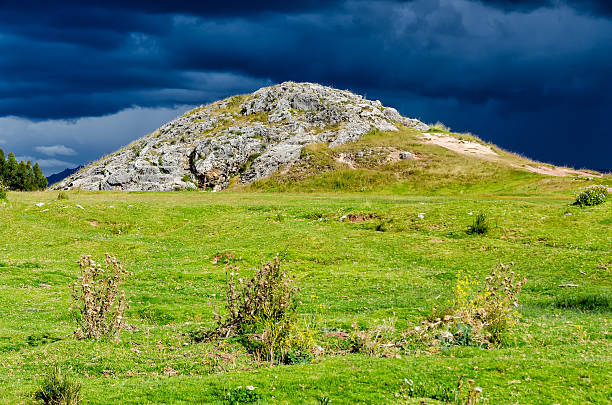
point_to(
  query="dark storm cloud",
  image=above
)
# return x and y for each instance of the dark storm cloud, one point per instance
(336, 46)
(592, 6)
(471, 63)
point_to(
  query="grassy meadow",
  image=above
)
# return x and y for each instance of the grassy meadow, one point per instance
(391, 260)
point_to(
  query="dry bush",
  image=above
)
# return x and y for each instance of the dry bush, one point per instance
(498, 310)
(98, 305)
(262, 310)
(269, 294)
(476, 316)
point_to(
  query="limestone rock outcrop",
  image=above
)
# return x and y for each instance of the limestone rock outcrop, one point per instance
(250, 136)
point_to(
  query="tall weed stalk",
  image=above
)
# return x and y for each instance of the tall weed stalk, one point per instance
(98, 305)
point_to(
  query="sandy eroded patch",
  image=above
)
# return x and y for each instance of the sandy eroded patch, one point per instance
(486, 152)
(557, 171)
(458, 145)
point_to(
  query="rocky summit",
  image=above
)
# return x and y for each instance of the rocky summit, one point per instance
(242, 138)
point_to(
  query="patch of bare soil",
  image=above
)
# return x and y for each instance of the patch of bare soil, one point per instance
(458, 145)
(360, 217)
(346, 159)
(481, 151)
(557, 171)
(374, 156)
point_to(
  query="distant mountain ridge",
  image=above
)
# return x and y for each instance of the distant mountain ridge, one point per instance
(57, 177)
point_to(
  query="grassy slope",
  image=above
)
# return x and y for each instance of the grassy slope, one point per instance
(348, 273)
(437, 171)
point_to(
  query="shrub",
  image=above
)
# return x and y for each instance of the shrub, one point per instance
(272, 340)
(476, 316)
(269, 294)
(62, 195)
(242, 395)
(479, 226)
(262, 311)
(297, 357)
(98, 305)
(498, 309)
(3, 191)
(447, 393)
(593, 195)
(439, 392)
(58, 389)
(382, 226)
(438, 126)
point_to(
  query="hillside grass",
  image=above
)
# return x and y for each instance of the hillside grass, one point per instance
(349, 273)
(435, 171)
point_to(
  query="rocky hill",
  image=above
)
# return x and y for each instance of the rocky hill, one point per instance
(247, 137)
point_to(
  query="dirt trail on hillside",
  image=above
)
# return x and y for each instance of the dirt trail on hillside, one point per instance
(471, 148)
(557, 171)
(458, 145)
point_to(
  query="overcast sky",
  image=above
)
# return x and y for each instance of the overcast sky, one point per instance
(80, 79)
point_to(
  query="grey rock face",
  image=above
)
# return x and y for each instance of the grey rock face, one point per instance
(251, 136)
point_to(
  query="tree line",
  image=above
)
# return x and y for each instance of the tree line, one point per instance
(20, 176)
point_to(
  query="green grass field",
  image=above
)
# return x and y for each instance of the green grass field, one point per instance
(348, 272)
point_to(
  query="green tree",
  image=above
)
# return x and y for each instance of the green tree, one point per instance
(39, 178)
(30, 183)
(21, 177)
(2, 164)
(10, 171)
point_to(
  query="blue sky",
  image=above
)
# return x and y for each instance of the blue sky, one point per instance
(80, 79)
